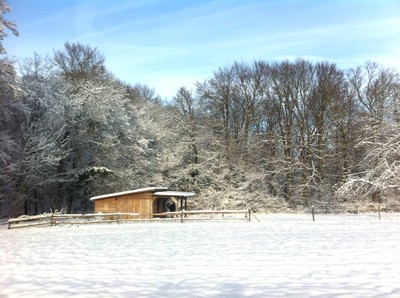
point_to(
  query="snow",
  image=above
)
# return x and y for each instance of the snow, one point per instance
(283, 255)
(128, 192)
(171, 193)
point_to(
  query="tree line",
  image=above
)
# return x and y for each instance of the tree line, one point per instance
(265, 135)
(311, 131)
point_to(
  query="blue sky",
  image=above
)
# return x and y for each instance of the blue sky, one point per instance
(168, 44)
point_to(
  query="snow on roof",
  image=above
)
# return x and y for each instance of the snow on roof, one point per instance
(171, 193)
(128, 192)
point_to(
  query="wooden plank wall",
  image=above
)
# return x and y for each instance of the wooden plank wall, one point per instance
(108, 205)
(144, 203)
(138, 203)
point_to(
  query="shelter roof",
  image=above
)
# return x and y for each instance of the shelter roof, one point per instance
(170, 193)
(123, 193)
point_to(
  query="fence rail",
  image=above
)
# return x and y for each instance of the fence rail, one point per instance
(78, 219)
(338, 208)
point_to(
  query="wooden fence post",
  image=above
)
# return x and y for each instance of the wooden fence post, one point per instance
(379, 210)
(182, 210)
(313, 213)
(249, 214)
(52, 219)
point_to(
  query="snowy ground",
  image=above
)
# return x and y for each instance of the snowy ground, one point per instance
(284, 255)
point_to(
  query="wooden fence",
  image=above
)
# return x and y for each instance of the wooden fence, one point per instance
(78, 219)
(337, 209)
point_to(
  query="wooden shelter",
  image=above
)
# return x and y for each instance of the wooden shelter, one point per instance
(145, 201)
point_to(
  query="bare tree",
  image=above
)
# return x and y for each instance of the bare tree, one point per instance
(375, 88)
(78, 61)
(187, 106)
(216, 95)
(141, 93)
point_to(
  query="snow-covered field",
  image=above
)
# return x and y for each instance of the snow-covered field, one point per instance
(284, 255)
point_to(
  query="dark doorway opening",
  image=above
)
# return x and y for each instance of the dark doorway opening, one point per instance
(170, 206)
(162, 205)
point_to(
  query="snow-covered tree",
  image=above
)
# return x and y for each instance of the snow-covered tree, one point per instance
(37, 146)
(5, 24)
(377, 173)
(12, 114)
